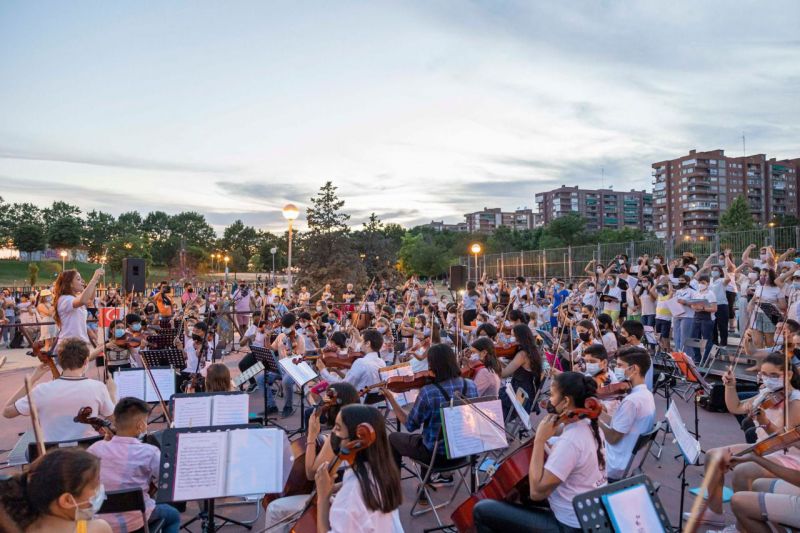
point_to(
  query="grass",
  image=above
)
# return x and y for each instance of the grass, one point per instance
(16, 272)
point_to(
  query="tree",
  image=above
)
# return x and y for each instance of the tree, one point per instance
(377, 250)
(99, 229)
(122, 246)
(29, 237)
(268, 241)
(242, 243)
(59, 210)
(33, 273)
(568, 229)
(423, 257)
(193, 227)
(327, 254)
(156, 226)
(13, 214)
(737, 217)
(65, 232)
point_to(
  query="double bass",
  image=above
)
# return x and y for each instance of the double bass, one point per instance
(509, 482)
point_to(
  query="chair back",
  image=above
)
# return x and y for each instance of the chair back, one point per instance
(123, 500)
(645, 441)
(33, 449)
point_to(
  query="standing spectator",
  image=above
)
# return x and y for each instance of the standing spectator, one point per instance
(241, 304)
(46, 312)
(10, 313)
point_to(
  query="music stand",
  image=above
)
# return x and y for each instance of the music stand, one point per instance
(593, 514)
(165, 357)
(266, 357)
(690, 450)
(697, 383)
(161, 341)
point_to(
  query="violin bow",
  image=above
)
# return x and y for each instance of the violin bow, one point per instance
(699, 505)
(363, 300)
(787, 380)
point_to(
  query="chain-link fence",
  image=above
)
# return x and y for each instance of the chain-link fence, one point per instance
(570, 262)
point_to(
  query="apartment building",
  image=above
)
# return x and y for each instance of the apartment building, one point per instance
(602, 208)
(488, 220)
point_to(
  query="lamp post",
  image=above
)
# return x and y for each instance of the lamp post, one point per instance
(63, 260)
(290, 213)
(226, 259)
(273, 251)
(476, 249)
(213, 256)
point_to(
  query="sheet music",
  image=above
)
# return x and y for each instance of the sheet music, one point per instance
(689, 446)
(468, 433)
(525, 417)
(404, 369)
(249, 373)
(674, 307)
(192, 411)
(165, 381)
(250, 447)
(301, 373)
(200, 468)
(230, 409)
(632, 509)
(130, 383)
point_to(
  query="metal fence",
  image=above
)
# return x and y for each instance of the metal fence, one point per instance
(569, 262)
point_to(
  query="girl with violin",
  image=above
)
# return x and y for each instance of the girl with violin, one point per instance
(60, 493)
(767, 409)
(117, 352)
(607, 334)
(575, 463)
(370, 493)
(525, 369)
(587, 336)
(484, 368)
(71, 296)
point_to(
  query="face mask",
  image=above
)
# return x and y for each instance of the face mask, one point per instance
(48, 299)
(551, 409)
(656, 261)
(584, 336)
(591, 290)
(715, 274)
(599, 270)
(197, 338)
(119, 333)
(779, 340)
(557, 286)
(592, 369)
(703, 286)
(382, 329)
(773, 384)
(764, 257)
(286, 330)
(336, 443)
(96, 502)
(399, 320)
(796, 284)
(426, 331)
(474, 356)
(136, 327)
(682, 285)
(619, 373)
(752, 276)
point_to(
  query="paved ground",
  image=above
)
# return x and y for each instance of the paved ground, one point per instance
(716, 430)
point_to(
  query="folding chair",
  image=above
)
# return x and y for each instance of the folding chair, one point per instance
(698, 344)
(444, 466)
(708, 361)
(125, 500)
(644, 442)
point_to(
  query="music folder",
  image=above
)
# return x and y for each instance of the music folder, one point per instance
(210, 409)
(135, 382)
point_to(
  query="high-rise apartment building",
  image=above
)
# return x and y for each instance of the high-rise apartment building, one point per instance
(602, 208)
(488, 220)
(691, 192)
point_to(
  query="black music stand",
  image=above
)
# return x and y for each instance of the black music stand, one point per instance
(266, 357)
(161, 340)
(167, 472)
(166, 357)
(594, 516)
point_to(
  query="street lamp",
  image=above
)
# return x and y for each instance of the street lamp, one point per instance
(273, 251)
(226, 259)
(63, 260)
(476, 249)
(213, 256)
(290, 213)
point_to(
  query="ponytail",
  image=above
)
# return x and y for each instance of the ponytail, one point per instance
(15, 503)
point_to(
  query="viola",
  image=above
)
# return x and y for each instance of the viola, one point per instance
(400, 384)
(365, 437)
(333, 359)
(36, 349)
(774, 443)
(101, 425)
(615, 390)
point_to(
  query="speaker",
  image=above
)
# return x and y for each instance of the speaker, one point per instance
(458, 277)
(133, 277)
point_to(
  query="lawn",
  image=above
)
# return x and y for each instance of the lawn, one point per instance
(16, 272)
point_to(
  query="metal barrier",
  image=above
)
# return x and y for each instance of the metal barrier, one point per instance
(569, 262)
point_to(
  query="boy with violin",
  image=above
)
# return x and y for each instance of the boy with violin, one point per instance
(634, 416)
(767, 409)
(118, 347)
(126, 462)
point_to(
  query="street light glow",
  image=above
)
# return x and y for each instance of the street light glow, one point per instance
(290, 212)
(476, 248)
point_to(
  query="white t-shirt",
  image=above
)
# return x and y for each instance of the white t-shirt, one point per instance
(590, 298)
(707, 295)
(364, 371)
(350, 514)
(767, 293)
(648, 304)
(573, 460)
(685, 294)
(634, 416)
(73, 320)
(614, 305)
(259, 339)
(59, 401)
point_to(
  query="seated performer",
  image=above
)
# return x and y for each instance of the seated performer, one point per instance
(364, 371)
(634, 416)
(126, 462)
(487, 368)
(575, 464)
(595, 362)
(370, 493)
(58, 401)
(60, 493)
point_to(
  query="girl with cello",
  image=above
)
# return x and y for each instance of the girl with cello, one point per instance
(370, 493)
(575, 464)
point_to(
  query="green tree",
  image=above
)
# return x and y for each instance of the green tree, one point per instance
(58, 211)
(377, 250)
(737, 217)
(327, 254)
(568, 229)
(420, 256)
(193, 227)
(29, 237)
(13, 214)
(33, 273)
(99, 229)
(65, 232)
(268, 241)
(242, 243)
(122, 246)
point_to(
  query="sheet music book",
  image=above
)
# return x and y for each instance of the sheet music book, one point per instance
(524, 416)
(251, 372)
(217, 464)
(301, 372)
(403, 369)
(467, 432)
(674, 307)
(210, 409)
(692, 301)
(136, 383)
(632, 509)
(690, 447)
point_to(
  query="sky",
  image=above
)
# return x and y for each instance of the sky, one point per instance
(416, 110)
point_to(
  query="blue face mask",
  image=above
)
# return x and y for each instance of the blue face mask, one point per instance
(136, 327)
(119, 333)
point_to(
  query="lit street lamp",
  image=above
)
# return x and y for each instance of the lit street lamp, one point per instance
(63, 260)
(226, 259)
(290, 213)
(476, 249)
(273, 251)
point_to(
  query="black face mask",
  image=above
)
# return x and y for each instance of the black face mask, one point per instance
(551, 409)
(336, 443)
(197, 338)
(585, 336)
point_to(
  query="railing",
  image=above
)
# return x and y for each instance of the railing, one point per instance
(569, 262)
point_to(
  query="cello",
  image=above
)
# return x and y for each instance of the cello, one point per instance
(509, 482)
(365, 437)
(36, 351)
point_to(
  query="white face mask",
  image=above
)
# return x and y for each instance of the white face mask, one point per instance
(702, 286)
(96, 502)
(592, 369)
(381, 329)
(474, 356)
(773, 384)
(752, 276)
(764, 257)
(656, 261)
(619, 373)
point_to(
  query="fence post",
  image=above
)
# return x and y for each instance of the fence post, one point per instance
(521, 269)
(771, 238)
(797, 237)
(569, 265)
(599, 256)
(544, 265)
(716, 244)
(631, 253)
(667, 249)
(502, 266)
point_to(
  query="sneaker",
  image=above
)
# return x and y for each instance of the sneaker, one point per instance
(287, 412)
(441, 480)
(252, 387)
(710, 518)
(272, 410)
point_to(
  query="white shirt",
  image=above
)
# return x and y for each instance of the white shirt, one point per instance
(610, 342)
(634, 416)
(573, 460)
(73, 320)
(191, 353)
(767, 293)
(685, 294)
(591, 298)
(516, 296)
(612, 292)
(350, 514)
(59, 401)
(364, 371)
(259, 339)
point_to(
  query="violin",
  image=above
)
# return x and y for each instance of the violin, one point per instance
(503, 349)
(769, 400)
(471, 369)
(365, 437)
(615, 390)
(101, 425)
(333, 359)
(36, 348)
(130, 340)
(774, 443)
(400, 384)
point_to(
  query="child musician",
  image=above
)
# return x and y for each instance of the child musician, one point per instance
(574, 465)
